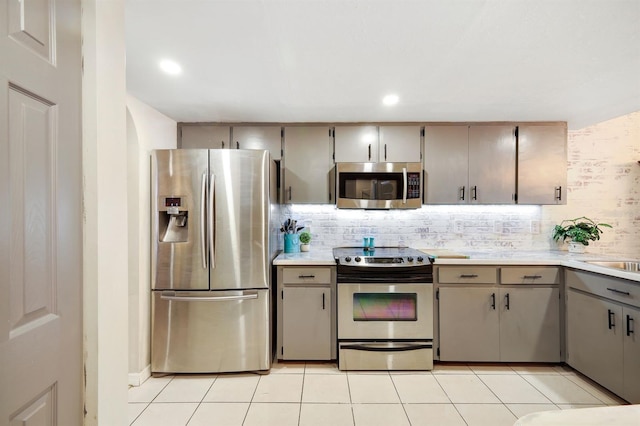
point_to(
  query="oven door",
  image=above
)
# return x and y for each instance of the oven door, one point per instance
(385, 311)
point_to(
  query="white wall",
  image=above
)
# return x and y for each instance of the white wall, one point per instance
(147, 129)
(603, 183)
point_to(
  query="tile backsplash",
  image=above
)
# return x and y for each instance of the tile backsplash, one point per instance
(603, 184)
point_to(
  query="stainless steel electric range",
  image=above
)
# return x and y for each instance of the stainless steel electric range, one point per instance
(385, 309)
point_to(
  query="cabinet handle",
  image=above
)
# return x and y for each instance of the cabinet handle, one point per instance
(629, 330)
(289, 193)
(369, 152)
(610, 314)
(626, 293)
(462, 193)
(558, 193)
(474, 192)
(237, 145)
(385, 152)
(222, 144)
(493, 301)
(306, 276)
(323, 301)
(531, 277)
(469, 276)
(506, 296)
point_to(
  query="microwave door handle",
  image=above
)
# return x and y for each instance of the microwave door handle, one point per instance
(404, 189)
(203, 238)
(210, 217)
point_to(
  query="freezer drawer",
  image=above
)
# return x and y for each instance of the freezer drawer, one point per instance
(210, 331)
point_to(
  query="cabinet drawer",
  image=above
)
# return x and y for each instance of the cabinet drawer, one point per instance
(467, 275)
(306, 275)
(530, 275)
(601, 285)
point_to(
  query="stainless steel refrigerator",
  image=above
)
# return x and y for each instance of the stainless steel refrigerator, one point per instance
(213, 241)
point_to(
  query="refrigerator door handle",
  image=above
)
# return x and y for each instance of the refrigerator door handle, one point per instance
(203, 237)
(244, 296)
(210, 221)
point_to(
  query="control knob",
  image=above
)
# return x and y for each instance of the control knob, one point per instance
(410, 259)
(347, 259)
(357, 259)
(420, 259)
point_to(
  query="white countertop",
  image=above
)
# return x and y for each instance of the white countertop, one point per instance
(312, 257)
(514, 257)
(627, 415)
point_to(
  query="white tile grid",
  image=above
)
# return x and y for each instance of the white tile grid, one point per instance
(313, 394)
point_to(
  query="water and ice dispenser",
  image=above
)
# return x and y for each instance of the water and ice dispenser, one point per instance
(173, 220)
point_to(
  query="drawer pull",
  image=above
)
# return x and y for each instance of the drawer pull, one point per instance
(469, 276)
(626, 293)
(629, 330)
(306, 276)
(532, 277)
(610, 314)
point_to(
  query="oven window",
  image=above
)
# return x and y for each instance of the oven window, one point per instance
(385, 307)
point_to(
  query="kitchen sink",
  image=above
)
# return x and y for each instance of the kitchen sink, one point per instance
(625, 266)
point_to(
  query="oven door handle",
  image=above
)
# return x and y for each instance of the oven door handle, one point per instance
(376, 348)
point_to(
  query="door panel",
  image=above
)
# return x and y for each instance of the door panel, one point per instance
(631, 354)
(240, 181)
(205, 137)
(399, 144)
(469, 324)
(41, 229)
(446, 164)
(202, 332)
(306, 323)
(178, 257)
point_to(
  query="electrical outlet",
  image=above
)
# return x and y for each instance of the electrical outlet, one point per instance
(535, 226)
(458, 226)
(497, 227)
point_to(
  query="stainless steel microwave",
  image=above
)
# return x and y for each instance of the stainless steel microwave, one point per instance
(378, 185)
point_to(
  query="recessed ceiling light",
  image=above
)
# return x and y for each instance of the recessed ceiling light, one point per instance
(390, 100)
(170, 67)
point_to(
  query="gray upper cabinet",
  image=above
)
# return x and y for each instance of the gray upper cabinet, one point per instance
(399, 144)
(203, 136)
(542, 163)
(307, 164)
(356, 144)
(258, 137)
(492, 164)
(470, 164)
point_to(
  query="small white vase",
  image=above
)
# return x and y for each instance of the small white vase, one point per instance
(304, 247)
(576, 247)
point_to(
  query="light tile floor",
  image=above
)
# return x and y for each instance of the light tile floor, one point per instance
(313, 394)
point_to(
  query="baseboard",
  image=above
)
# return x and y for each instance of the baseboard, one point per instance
(136, 379)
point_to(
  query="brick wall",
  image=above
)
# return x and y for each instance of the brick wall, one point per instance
(603, 184)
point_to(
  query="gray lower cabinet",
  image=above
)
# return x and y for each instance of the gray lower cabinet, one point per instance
(306, 313)
(508, 314)
(602, 341)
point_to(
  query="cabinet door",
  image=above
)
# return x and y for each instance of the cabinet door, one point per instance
(399, 144)
(530, 324)
(631, 354)
(542, 164)
(492, 164)
(306, 315)
(468, 320)
(259, 137)
(204, 136)
(307, 164)
(446, 164)
(356, 144)
(594, 339)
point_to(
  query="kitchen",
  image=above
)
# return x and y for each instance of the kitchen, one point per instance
(491, 227)
(601, 181)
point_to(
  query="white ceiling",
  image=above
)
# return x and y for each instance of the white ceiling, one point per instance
(334, 60)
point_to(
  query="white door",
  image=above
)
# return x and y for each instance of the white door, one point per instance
(41, 226)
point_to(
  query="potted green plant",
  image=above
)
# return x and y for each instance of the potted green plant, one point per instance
(305, 239)
(579, 232)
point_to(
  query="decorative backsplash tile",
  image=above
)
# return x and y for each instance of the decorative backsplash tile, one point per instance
(603, 184)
